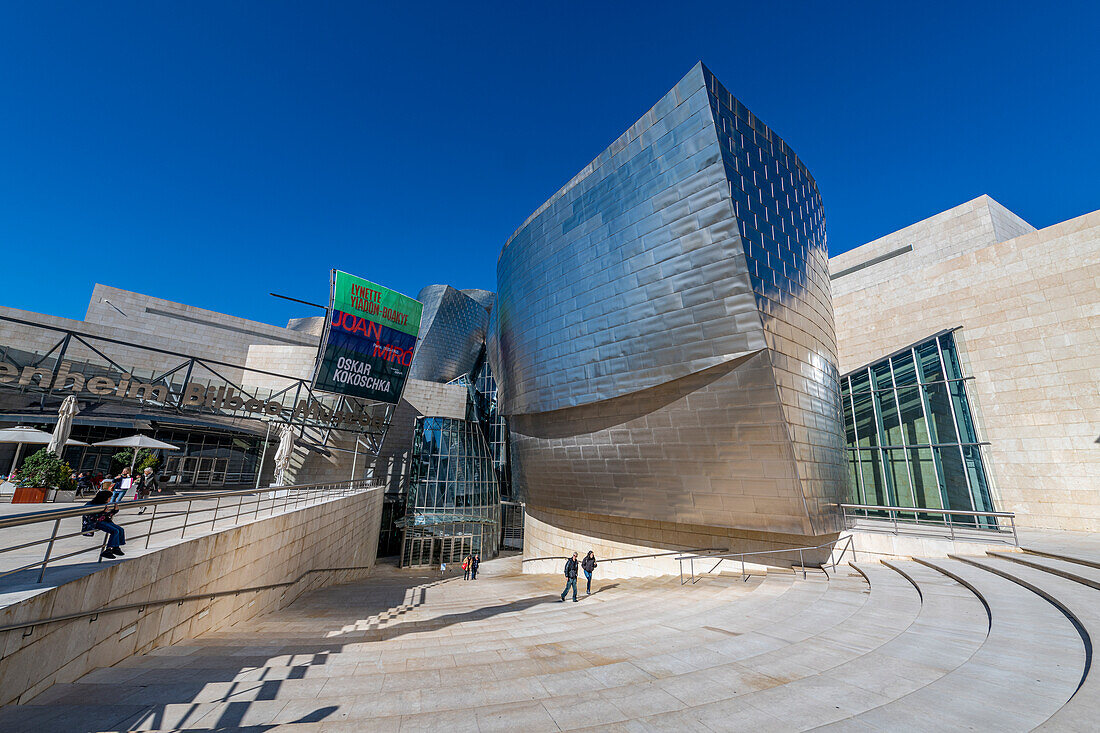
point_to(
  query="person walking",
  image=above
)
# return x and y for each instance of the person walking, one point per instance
(442, 569)
(466, 568)
(146, 484)
(122, 483)
(588, 564)
(570, 578)
(116, 535)
(83, 484)
(475, 563)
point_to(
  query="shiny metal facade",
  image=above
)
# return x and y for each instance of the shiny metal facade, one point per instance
(664, 333)
(452, 332)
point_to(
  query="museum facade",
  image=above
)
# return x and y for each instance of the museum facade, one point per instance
(671, 362)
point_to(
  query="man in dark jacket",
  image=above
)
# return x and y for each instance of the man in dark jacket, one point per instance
(570, 578)
(588, 564)
(475, 563)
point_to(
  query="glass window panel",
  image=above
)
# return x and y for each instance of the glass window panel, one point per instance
(943, 426)
(979, 484)
(950, 356)
(962, 412)
(904, 371)
(874, 485)
(954, 477)
(929, 358)
(865, 424)
(913, 427)
(860, 382)
(898, 474)
(849, 424)
(926, 487)
(888, 413)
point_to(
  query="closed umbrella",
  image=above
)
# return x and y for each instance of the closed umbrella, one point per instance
(282, 456)
(28, 436)
(64, 425)
(137, 442)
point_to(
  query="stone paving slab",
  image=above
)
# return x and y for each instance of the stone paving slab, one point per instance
(408, 651)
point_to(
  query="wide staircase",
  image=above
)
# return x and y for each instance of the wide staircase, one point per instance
(998, 642)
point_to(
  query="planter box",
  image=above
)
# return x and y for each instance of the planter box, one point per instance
(29, 495)
(65, 496)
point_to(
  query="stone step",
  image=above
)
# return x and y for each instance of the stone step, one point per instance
(871, 646)
(1028, 666)
(1082, 603)
(1074, 570)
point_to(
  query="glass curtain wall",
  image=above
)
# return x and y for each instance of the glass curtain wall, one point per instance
(496, 426)
(911, 434)
(453, 504)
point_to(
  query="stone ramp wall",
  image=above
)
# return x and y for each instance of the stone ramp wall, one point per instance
(342, 533)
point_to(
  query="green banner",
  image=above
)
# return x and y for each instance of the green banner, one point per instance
(370, 341)
(363, 298)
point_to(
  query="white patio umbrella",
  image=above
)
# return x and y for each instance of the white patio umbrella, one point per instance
(286, 450)
(137, 442)
(23, 435)
(64, 425)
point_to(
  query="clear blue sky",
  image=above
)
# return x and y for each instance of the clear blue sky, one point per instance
(211, 152)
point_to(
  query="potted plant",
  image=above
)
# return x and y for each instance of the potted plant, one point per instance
(41, 472)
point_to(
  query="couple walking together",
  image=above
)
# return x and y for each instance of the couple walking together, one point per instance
(588, 565)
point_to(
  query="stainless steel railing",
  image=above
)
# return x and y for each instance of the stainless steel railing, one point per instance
(899, 516)
(249, 504)
(690, 559)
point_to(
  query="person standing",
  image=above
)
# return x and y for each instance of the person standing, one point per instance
(475, 563)
(588, 564)
(122, 483)
(442, 569)
(466, 568)
(570, 578)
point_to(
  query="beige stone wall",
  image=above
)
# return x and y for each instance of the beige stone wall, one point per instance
(555, 534)
(339, 534)
(1029, 312)
(965, 228)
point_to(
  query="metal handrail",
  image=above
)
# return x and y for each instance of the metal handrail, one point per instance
(18, 520)
(894, 511)
(632, 557)
(923, 510)
(291, 496)
(742, 555)
(179, 600)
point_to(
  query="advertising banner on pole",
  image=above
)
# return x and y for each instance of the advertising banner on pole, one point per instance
(369, 343)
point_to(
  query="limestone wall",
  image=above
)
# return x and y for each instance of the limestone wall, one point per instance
(338, 534)
(1028, 310)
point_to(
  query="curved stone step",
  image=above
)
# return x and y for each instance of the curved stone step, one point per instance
(1028, 666)
(1075, 570)
(1082, 602)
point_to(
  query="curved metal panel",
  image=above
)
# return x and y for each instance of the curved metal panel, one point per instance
(664, 329)
(452, 331)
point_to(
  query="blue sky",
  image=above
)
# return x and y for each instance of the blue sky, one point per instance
(209, 153)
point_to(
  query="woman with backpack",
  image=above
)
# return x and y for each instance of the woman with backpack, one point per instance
(116, 535)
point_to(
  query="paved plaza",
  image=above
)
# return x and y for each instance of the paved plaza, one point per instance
(956, 644)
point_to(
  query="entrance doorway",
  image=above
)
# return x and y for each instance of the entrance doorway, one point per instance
(427, 551)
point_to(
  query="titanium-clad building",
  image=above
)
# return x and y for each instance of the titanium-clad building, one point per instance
(664, 340)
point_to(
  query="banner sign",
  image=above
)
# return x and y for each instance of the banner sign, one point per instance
(369, 345)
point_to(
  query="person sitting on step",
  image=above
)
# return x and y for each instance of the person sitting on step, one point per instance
(116, 535)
